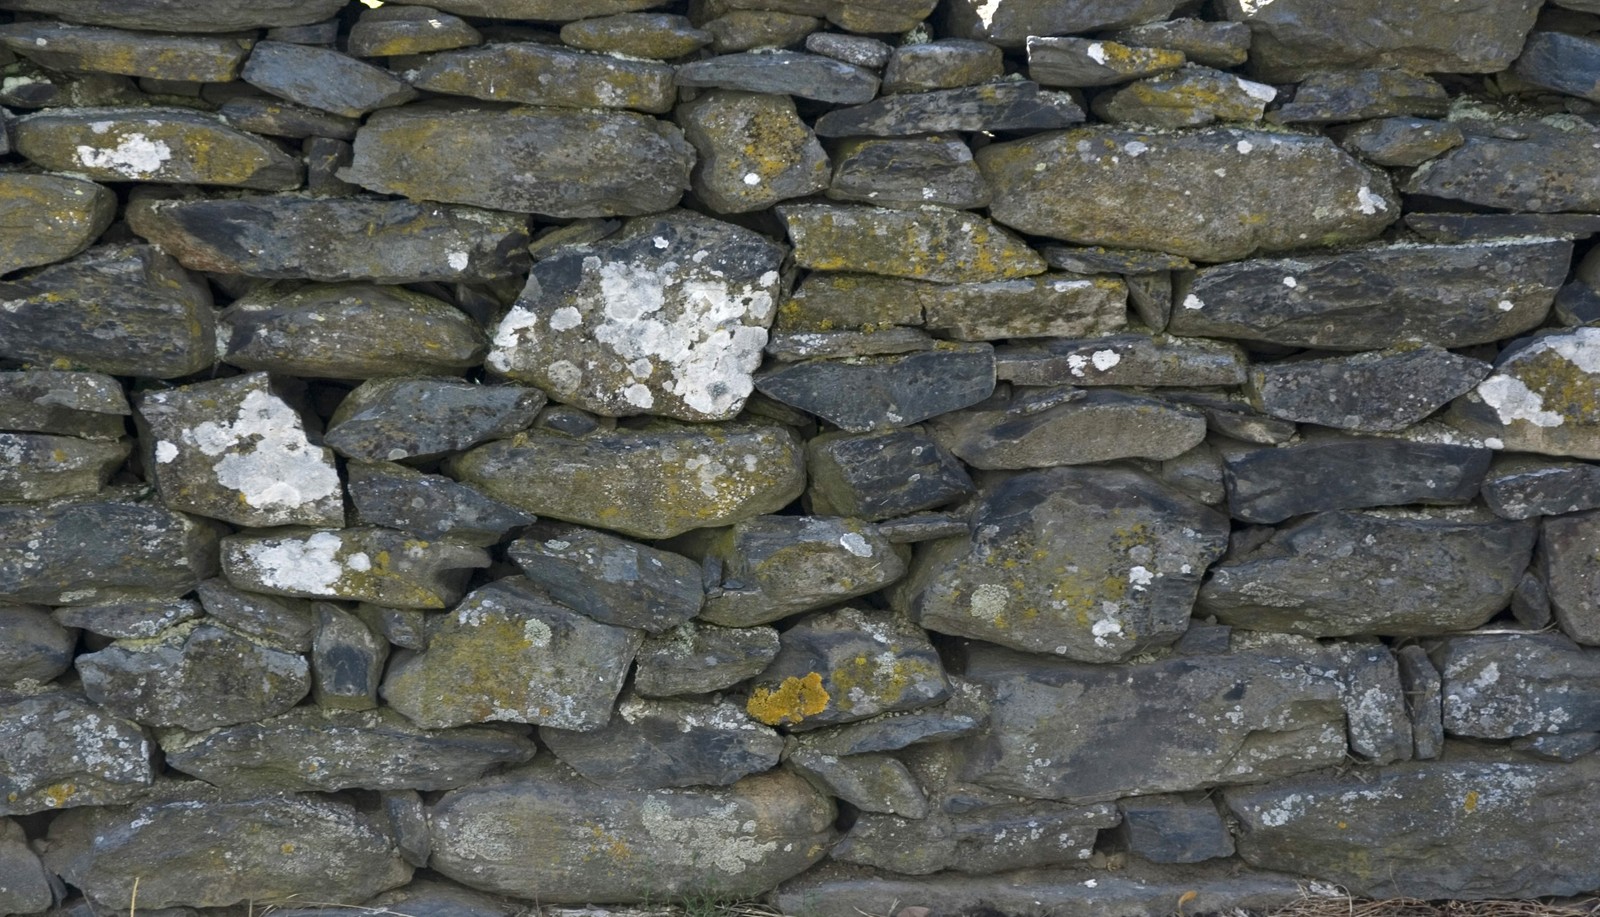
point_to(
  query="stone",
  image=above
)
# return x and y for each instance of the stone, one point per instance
(1281, 191)
(391, 420)
(939, 245)
(772, 567)
(800, 346)
(1172, 829)
(976, 841)
(428, 506)
(542, 10)
(312, 749)
(440, 898)
(1530, 603)
(529, 73)
(655, 482)
(1331, 471)
(1569, 747)
(49, 218)
(805, 76)
(406, 628)
(1095, 564)
(1541, 396)
(137, 313)
(964, 713)
(61, 46)
(1423, 689)
(282, 622)
(861, 50)
(753, 150)
(138, 550)
(312, 847)
(349, 331)
(180, 16)
(632, 163)
(323, 79)
(38, 466)
(871, 393)
(879, 15)
(746, 30)
(87, 405)
(877, 476)
(507, 653)
(1008, 105)
(908, 173)
(154, 144)
(1522, 487)
(846, 665)
(1502, 686)
(1328, 96)
(346, 660)
(1100, 260)
(1293, 39)
(652, 744)
(1472, 227)
(1521, 170)
(1191, 97)
(1084, 733)
(399, 30)
(871, 783)
(1214, 44)
(137, 619)
(1577, 303)
(1564, 63)
(610, 579)
(33, 647)
(697, 658)
(60, 750)
(335, 240)
(1418, 572)
(1449, 295)
(1379, 728)
(1568, 546)
(1197, 474)
(945, 63)
(267, 115)
(539, 833)
(826, 301)
(356, 564)
(1401, 142)
(656, 36)
(1041, 428)
(1370, 392)
(667, 317)
(234, 449)
(1481, 822)
(25, 887)
(1122, 359)
(408, 819)
(1064, 61)
(1011, 22)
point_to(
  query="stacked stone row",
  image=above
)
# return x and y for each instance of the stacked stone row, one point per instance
(1024, 454)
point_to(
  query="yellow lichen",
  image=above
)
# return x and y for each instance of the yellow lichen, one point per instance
(793, 701)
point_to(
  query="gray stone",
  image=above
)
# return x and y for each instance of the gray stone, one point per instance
(1568, 64)
(318, 750)
(323, 79)
(335, 240)
(1295, 38)
(871, 393)
(1449, 295)
(357, 564)
(113, 547)
(530, 73)
(1096, 564)
(876, 476)
(406, 628)
(1100, 260)
(1173, 829)
(861, 50)
(1191, 97)
(871, 783)
(746, 30)
(754, 150)
(49, 218)
(136, 619)
(651, 744)
(1329, 471)
(542, 10)
(25, 887)
(545, 835)
(667, 317)
(1542, 396)
(1085, 62)
(945, 63)
(1197, 474)
(1281, 191)
(88, 405)
(939, 245)
(1530, 603)
(1569, 747)
(799, 346)
(234, 449)
(508, 653)
(1522, 487)
(1354, 95)
(1568, 546)
(59, 750)
(1215, 44)
(1023, 834)
(826, 301)
(695, 658)
(1122, 359)
(282, 622)
(33, 647)
(408, 820)
(846, 665)
(632, 163)
(1235, 418)
(1473, 227)
(1369, 392)
(182, 16)
(277, 118)
(964, 713)
(1042, 428)
(1523, 169)
(1577, 303)
(1012, 22)
(659, 36)
(427, 505)
(154, 144)
(1417, 572)
(397, 30)
(442, 898)
(908, 173)
(311, 847)
(1482, 822)
(38, 466)
(60, 46)
(655, 482)
(611, 579)
(346, 660)
(1048, 305)
(1009, 105)
(1424, 693)
(1401, 142)
(137, 313)
(805, 76)
(1506, 685)
(1378, 725)
(390, 420)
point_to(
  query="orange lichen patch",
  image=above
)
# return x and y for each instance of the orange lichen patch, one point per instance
(793, 701)
(1470, 804)
(57, 794)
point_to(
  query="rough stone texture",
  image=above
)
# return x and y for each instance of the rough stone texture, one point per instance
(879, 475)
(61, 46)
(1568, 547)
(753, 150)
(695, 658)
(1508, 685)
(394, 420)
(1008, 105)
(42, 467)
(1400, 142)
(651, 35)
(49, 218)
(281, 622)
(25, 886)
(1083, 62)
(1541, 397)
(1423, 688)
(611, 579)
(651, 744)
(1521, 169)
(1522, 487)
(1011, 22)
(86, 405)
(427, 505)
(937, 245)
(872, 393)
(361, 564)
(400, 30)
(346, 660)
(1369, 392)
(1062, 426)
(945, 63)
(1215, 44)
(806, 76)
(323, 79)
(1353, 95)
(538, 74)
(1192, 97)
(1173, 829)
(60, 750)
(33, 647)
(160, 15)
(154, 145)
(908, 173)
(871, 783)
(1122, 359)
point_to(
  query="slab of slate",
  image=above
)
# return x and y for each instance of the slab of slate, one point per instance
(1193, 96)
(944, 63)
(1215, 44)
(39, 466)
(398, 30)
(876, 476)
(939, 245)
(346, 660)
(1172, 829)
(531, 73)
(908, 173)
(427, 505)
(1038, 428)
(1525, 486)
(154, 145)
(49, 218)
(390, 420)
(1565, 561)
(1522, 171)
(1063, 61)
(86, 405)
(1371, 392)
(1565, 63)
(323, 79)
(795, 73)
(861, 50)
(651, 744)
(1011, 22)
(1502, 686)
(191, 58)
(1001, 106)
(136, 619)
(1401, 142)
(542, 10)
(181, 16)
(1354, 95)
(753, 150)
(611, 579)
(60, 750)
(33, 646)
(871, 393)
(696, 658)
(265, 114)
(1541, 396)
(1122, 359)
(358, 564)
(656, 36)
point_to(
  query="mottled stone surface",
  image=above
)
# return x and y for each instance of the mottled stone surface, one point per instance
(1400, 142)
(1173, 829)
(1122, 359)
(385, 32)
(873, 393)
(1040, 428)
(908, 173)
(1010, 22)
(87, 405)
(1568, 547)
(650, 744)
(394, 420)
(1191, 97)
(549, 75)
(159, 15)
(362, 564)
(938, 245)
(1523, 169)
(1085, 62)
(807, 76)
(49, 218)
(1541, 397)
(1507, 685)
(42, 467)
(611, 579)
(695, 658)
(753, 150)
(60, 750)
(879, 475)
(771, 567)
(154, 145)
(1008, 105)
(1370, 392)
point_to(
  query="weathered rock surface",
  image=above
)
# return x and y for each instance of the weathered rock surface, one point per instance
(59, 750)
(871, 783)
(49, 218)
(982, 840)
(1509, 685)
(753, 150)
(179, 15)
(1046, 427)
(1400, 142)
(1173, 829)
(660, 36)
(908, 173)
(1352, 95)
(86, 405)
(137, 619)
(1122, 359)
(1011, 22)
(938, 245)
(360, 564)
(347, 660)
(1370, 392)
(323, 78)
(33, 647)
(538, 74)
(878, 475)
(1191, 97)
(611, 579)
(1542, 396)
(1568, 546)
(25, 887)
(154, 145)
(1204, 41)
(1521, 487)
(964, 713)
(944, 63)
(39, 466)
(1002, 106)
(1519, 170)
(281, 622)
(695, 658)
(1085, 62)
(427, 505)
(651, 744)
(806, 76)
(1565, 63)
(874, 393)
(396, 30)
(391, 420)
(542, 10)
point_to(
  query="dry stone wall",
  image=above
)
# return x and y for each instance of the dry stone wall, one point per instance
(1088, 457)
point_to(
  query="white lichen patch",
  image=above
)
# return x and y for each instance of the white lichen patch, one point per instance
(856, 545)
(716, 839)
(1192, 301)
(1369, 202)
(134, 156)
(1096, 52)
(989, 601)
(1512, 401)
(262, 454)
(302, 565)
(1105, 359)
(166, 452)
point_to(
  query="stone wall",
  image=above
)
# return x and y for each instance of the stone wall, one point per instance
(1039, 456)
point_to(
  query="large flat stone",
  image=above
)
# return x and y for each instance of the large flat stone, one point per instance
(1370, 392)
(155, 145)
(62, 46)
(183, 16)
(391, 420)
(939, 245)
(1543, 396)
(1568, 546)
(611, 579)
(1502, 686)
(58, 750)
(1525, 168)
(1042, 428)
(364, 564)
(860, 394)
(651, 744)
(323, 79)
(1012, 22)
(1003, 106)
(49, 218)
(530, 73)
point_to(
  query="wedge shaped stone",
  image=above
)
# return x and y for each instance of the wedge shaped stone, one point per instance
(1370, 392)
(695, 658)
(33, 646)
(1568, 546)
(86, 405)
(1003, 106)
(611, 579)
(182, 16)
(49, 218)
(1085, 62)
(191, 58)
(651, 744)
(367, 564)
(1543, 396)
(939, 245)
(1047, 427)
(429, 506)
(879, 475)
(391, 420)
(808, 76)
(38, 466)
(1503, 686)
(861, 394)
(323, 78)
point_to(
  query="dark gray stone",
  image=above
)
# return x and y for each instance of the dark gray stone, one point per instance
(1522, 487)
(945, 63)
(696, 658)
(406, 628)
(542, 10)
(1378, 725)
(49, 218)
(88, 405)
(1424, 692)
(871, 783)
(154, 144)
(659, 36)
(1122, 359)
(611, 579)
(1473, 227)
(1568, 546)
(357, 564)
(1568, 64)
(1523, 168)
(1235, 418)
(427, 505)
(1355, 95)
(277, 118)
(530, 73)
(390, 420)
(860, 395)
(323, 79)
(1011, 22)
(1041, 428)
(1530, 604)
(137, 619)
(964, 713)
(397, 30)
(1085, 62)
(861, 50)
(58, 750)
(908, 173)
(1010, 105)
(1191, 97)
(25, 887)
(988, 839)
(1506, 685)
(944, 246)
(806, 76)
(39, 466)
(1215, 44)
(33, 647)
(1173, 829)
(1577, 303)
(879, 475)
(1099, 260)
(283, 622)
(1541, 396)
(746, 30)
(1569, 747)
(1370, 392)
(408, 820)
(651, 744)
(1401, 142)
(189, 58)
(346, 660)
(182, 16)
(754, 150)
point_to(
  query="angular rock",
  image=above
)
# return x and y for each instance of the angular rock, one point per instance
(38, 466)
(398, 30)
(541, 833)
(1530, 604)
(154, 144)
(181, 16)
(870, 393)
(1215, 44)
(754, 150)
(652, 744)
(285, 623)
(49, 218)
(136, 312)
(746, 30)
(346, 660)
(323, 79)
(25, 887)
(1417, 572)
(655, 482)
(336, 240)
(1084, 62)
(1173, 829)
(318, 750)
(508, 653)
(1568, 64)
(267, 115)
(1449, 295)
(1370, 392)
(908, 173)
(1378, 726)
(390, 420)
(656, 36)
(1423, 690)
(1354, 95)
(1095, 564)
(795, 347)
(87, 405)
(695, 658)
(1100, 260)
(1473, 227)
(1568, 546)
(234, 449)
(1509, 685)
(33, 647)
(878, 15)
(539, 74)
(1400, 142)
(1192, 97)
(137, 619)
(871, 783)
(1542, 396)
(847, 665)
(1104, 186)
(1047, 427)
(937, 245)
(964, 713)
(1122, 359)
(876, 476)
(945, 63)
(542, 10)
(667, 317)
(356, 564)
(1012, 22)
(58, 750)
(806, 76)
(60, 46)
(1002, 106)
(427, 505)
(1521, 170)
(861, 50)
(611, 579)
(1522, 487)
(982, 840)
